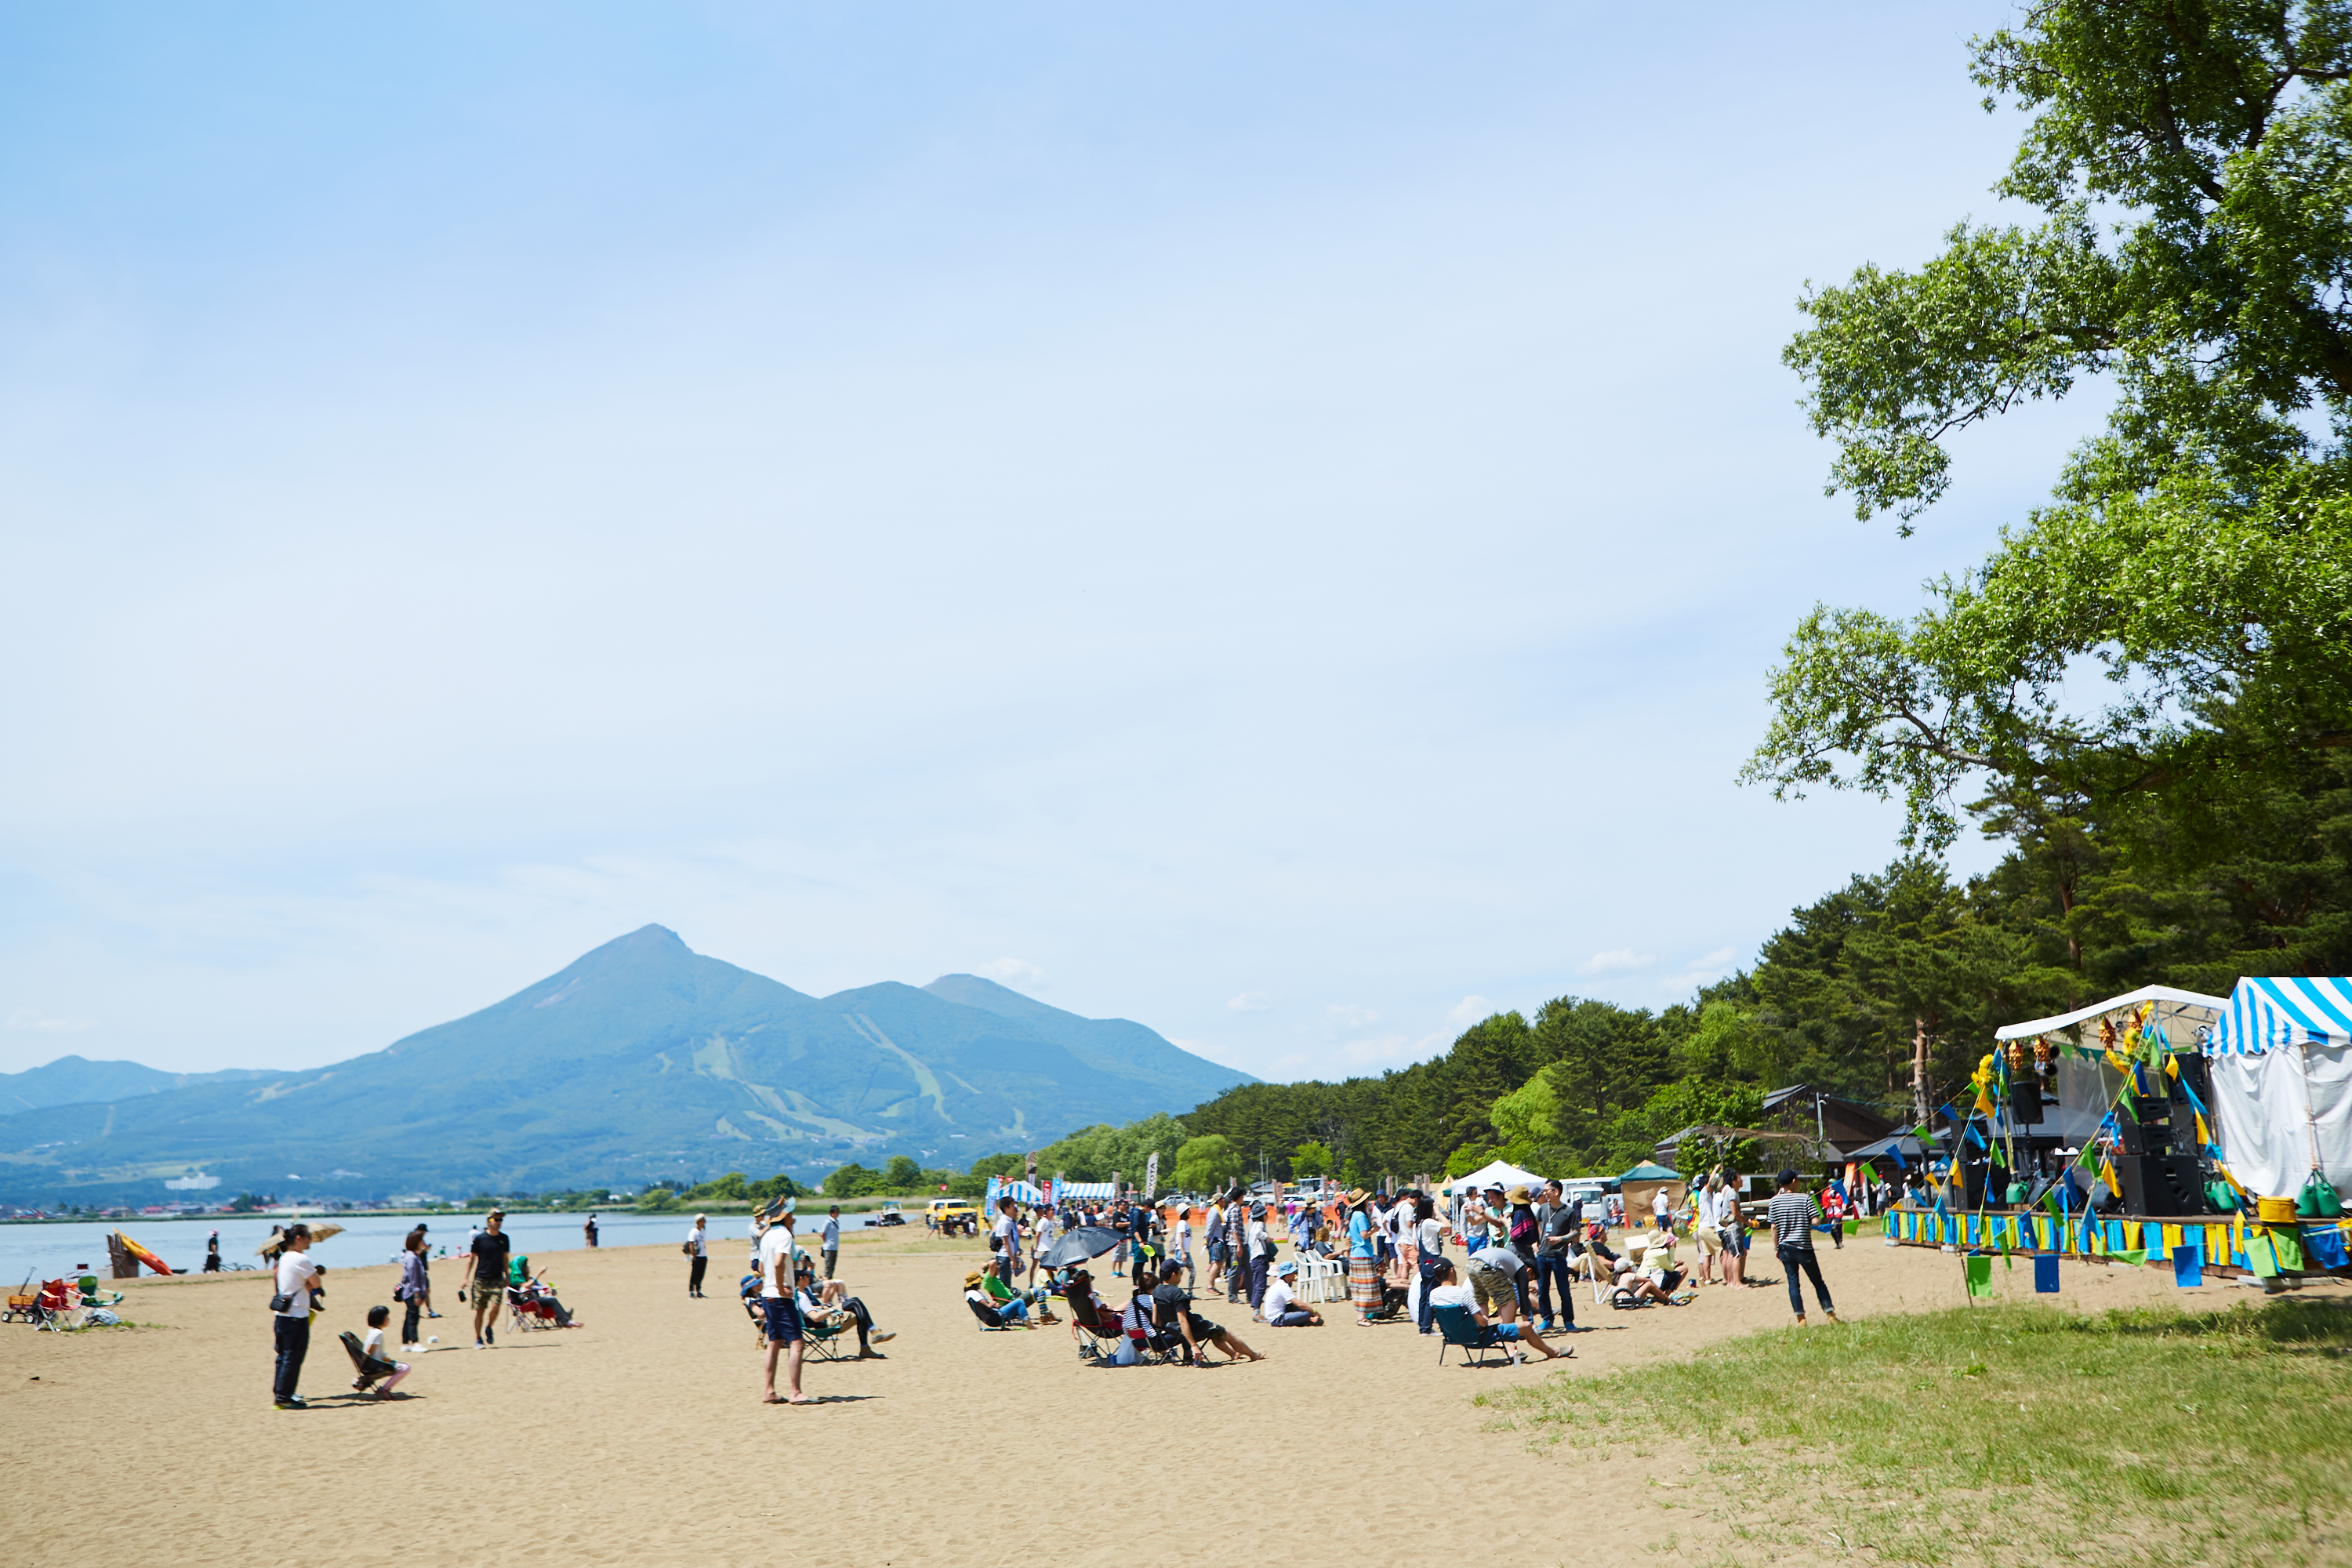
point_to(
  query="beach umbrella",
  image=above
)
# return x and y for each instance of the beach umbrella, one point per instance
(1078, 1245)
(319, 1233)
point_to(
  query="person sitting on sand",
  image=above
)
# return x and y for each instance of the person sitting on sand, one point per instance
(1282, 1308)
(1449, 1291)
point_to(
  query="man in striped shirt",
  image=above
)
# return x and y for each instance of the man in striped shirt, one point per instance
(1793, 1214)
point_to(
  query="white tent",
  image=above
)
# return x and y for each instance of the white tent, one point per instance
(2280, 1069)
(1502, 1174)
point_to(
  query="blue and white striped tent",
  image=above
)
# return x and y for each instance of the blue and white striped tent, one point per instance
(2265, 1012)
(2281, 1079)
(1013, 1188)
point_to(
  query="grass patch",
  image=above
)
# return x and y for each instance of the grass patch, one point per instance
(2008, 1433)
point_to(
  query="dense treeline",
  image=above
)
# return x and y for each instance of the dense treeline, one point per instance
(1885, 991)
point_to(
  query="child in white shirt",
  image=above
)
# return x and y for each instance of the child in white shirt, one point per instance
(392, 1371)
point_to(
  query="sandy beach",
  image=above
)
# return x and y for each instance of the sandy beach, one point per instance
(641, 1436)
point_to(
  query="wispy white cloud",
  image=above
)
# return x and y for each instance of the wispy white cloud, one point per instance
(1375, 1049)
(1616, 961)
(1705, 967)
(1014, 971)
(1250, 1002)
(1351, 1015)
(1468, 1011)
(25, 1018)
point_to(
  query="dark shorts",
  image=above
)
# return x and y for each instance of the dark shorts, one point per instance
(783, 1319)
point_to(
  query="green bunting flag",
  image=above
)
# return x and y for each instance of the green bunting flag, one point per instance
(1979, 1270)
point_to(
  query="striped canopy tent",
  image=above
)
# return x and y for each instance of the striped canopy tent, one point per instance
(1018, 1191)
(2282, 1076)
(1084, 1192)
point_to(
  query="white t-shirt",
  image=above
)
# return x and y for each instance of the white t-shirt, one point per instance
(776, 1244)
(296, 1275)
(1455, 1295)
(1660, 1204)
(694, 1238)
(1008, 1230)
(1277, 1298)
(1432, 1237)
(831, 1233)
(373, 1342)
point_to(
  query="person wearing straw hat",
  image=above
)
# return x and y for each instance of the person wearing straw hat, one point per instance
(1363, 1261)
(781, 1315)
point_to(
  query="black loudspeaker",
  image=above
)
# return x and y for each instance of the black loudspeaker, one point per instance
(2162, 1184)
(1972, 1183)
(2196, 1076)
(2025, 1100)
(2149, 1133)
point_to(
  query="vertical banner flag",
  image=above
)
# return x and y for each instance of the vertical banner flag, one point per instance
(1151, 1178)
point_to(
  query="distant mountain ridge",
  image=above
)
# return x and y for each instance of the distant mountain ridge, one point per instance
(642, 1060)
(74, 1080)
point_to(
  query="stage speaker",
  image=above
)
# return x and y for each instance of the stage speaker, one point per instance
(2196, 1076)
(2026, 1100)
(1972, 1183)
(2149, 1133)
(2162, 1184)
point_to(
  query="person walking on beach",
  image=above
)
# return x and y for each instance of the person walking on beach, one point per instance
(829, 1239)
(212, 1253)
(490, 1252)
(412, 1289)
(300, 1284)
(589, 1230)
(697, 1251)
(777, 1307)
(1793, 1215)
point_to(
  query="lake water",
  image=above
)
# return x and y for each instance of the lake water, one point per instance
(50, 1251)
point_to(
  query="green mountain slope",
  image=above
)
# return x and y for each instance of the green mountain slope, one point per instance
(641, 1061)
(74, 1080)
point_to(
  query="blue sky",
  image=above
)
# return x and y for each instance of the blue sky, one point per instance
(1273, 525)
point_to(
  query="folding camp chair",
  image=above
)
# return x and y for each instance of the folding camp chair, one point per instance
(991, 1323)
(1458, 1326)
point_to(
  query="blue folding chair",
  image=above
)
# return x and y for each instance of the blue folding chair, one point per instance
(1458, 1326)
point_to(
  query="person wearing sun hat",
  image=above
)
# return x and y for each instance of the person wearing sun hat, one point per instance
(1003, 1314)
(779, 1311)
(1363, 1260)
(1282, 1308)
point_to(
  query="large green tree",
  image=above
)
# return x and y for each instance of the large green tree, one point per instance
(2192, 163)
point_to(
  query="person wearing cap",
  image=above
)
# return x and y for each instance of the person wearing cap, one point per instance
(1171, 1309)
(780, 1315)
(489, 1251)
(1282, 1308)
(697, 1251)
(828, 1240)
